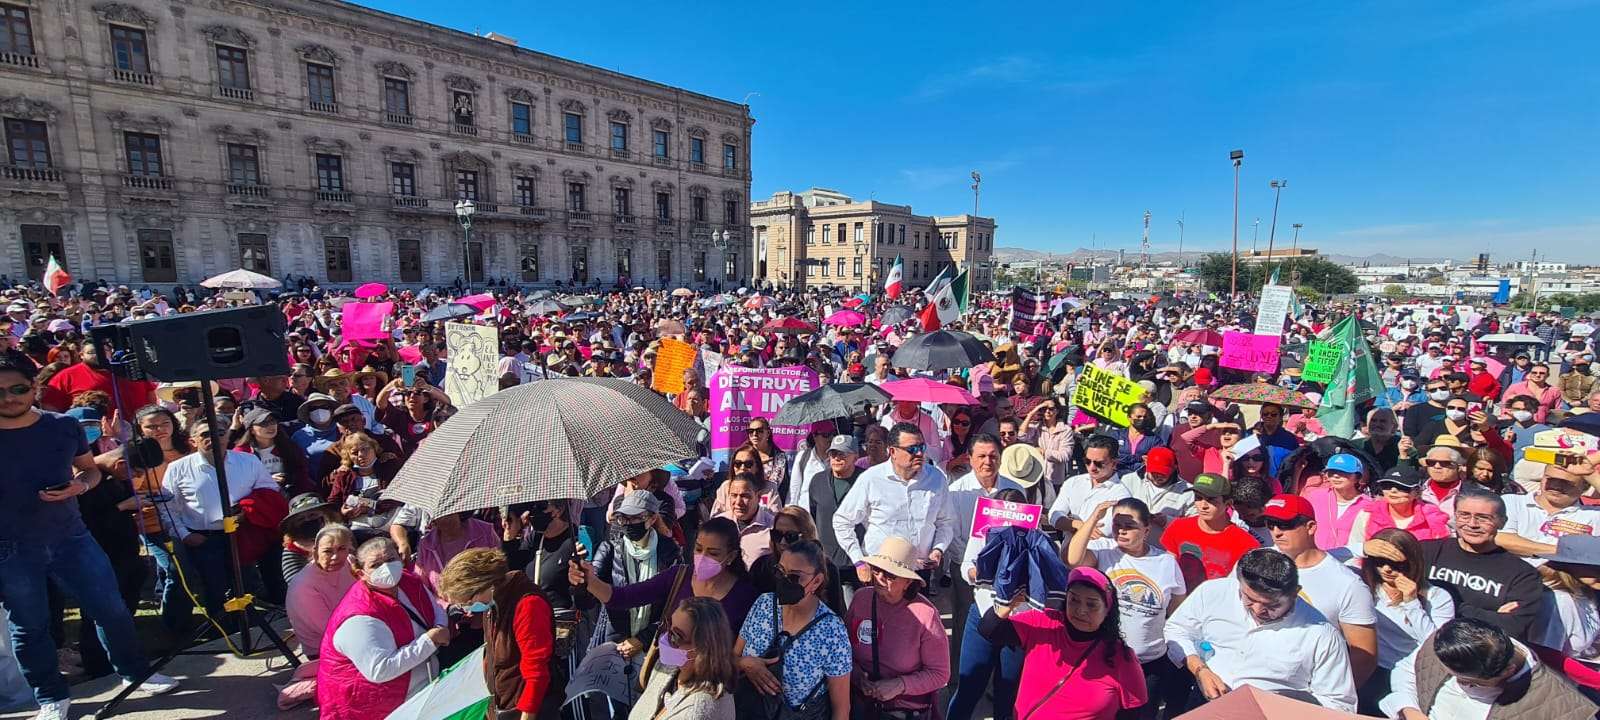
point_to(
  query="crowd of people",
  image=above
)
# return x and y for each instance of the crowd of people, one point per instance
(1439, 561)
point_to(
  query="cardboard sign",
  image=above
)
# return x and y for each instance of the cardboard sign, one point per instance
(364, 321)
(992, 513)
(1274, 307)
(1322, 358)
(1106, 395)
(474, 352)
(739, 394)
(1244, 351)
(672, 359)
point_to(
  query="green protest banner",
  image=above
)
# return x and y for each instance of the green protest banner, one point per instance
(1106, 395)
(1322, 359)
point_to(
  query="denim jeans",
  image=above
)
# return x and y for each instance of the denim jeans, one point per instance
(984, 665)
(176, 608)
(80, 567)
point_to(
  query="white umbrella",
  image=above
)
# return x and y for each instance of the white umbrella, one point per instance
(1510, 339)
(241, 279)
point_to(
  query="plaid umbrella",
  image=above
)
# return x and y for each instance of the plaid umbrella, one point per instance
(829, 402)
(546, 440)
(941, 350)
(450, 311)
(545, 307)
(1263, 393)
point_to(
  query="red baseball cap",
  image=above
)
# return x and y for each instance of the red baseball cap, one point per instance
(1160, 461)
(1202, 376)
(1289, 507)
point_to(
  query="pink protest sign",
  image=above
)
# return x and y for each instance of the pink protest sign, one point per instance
(1244, 351)
(364, 321)
(992, 513)
(740, 394)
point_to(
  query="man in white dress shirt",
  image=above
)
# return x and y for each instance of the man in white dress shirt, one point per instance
(1252, 628)
(193, 514)
(905, 497)
(1470, 669)
(1081, 494)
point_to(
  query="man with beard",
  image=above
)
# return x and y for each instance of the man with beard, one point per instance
(47, 466)
(93, 374)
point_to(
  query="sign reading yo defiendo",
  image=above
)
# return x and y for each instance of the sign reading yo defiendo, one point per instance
(1106, 395)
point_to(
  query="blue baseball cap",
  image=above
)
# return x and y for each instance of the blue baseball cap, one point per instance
(84, 414)
(1344, 462)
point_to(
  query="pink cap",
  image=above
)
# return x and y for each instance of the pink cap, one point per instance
(1093, 577)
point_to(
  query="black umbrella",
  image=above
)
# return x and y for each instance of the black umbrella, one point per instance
(545, 307)
(838, 400)
(450, 311)
(579, 317)
(896, 315)
(941, 350)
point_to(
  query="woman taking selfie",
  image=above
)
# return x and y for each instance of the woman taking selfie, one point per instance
(902, 655)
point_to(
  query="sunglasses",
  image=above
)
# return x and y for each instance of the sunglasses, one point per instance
(787, 537)
(1438, 463)
(755, 430)
(1098, 463)
(1277, 524)
(914, 450)
(19, 389)
(744, 463)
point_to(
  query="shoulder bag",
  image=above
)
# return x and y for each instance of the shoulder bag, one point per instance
(750, 702)
(655, 647)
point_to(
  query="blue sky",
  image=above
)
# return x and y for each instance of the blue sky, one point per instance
(1415, 128)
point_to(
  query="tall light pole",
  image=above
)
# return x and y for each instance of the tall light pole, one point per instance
(1145, 261)
(976, 181)
(719, 240)
(1294, 259)
(1181, 263)
(464, 212)
(1237, 156)
(1255, 236)
(1272, 230)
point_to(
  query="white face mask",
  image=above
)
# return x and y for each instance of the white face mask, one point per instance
(1522, 416)
(1408, 384)
(1456, 415)
(1439, 395)
(385, 576)
(321, 417)
(1485, 695)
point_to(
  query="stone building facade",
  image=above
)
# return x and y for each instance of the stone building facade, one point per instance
(163, 142)
(823, 237)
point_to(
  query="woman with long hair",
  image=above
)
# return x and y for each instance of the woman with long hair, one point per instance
(258, 432)
(300, 377)
(1488, 468)
(774, 462)
(747, 458)
(703, 687)
(1409, 607)
(897, 639)
(159, 425)
(518, 636)
(1046, 428)
(790, 525)
(1075, 663)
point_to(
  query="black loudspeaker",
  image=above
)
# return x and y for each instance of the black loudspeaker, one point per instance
(210, 345)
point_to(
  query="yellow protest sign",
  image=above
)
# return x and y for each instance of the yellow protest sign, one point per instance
(673, 357)
(1106, 395)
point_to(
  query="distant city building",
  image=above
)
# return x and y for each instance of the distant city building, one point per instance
(1541, 266)
(1278, 254)
(824, 237)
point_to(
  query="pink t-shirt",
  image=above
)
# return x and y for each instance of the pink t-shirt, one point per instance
(1096, 691)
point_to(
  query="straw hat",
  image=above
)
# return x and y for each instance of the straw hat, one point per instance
(316, 401)
(168, 392)
(895, 556)
(1023, 463)
(332, 374)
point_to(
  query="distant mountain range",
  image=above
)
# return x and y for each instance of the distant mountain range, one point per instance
(1083, 255)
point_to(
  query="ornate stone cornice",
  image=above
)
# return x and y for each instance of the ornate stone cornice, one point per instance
(121, 120)
(571, 175)
(394, 154)
(326, 145)
(318, 53)
(730, 138)
(620, 181)
(25, 108)
(619, 115)
(124, 14)
(731, 194)
(660, 186)
(699, 190)
(228, 35)
(573, 106)
(521, 95)
(464, 159)
(524, 169)
(228, 133)
(660, 123)
(697, 131)
(461, 82)
(390, 68)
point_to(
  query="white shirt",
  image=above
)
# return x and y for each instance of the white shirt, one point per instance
(270, 460)
(1402, 627)
(1080, 496)
(1146, 587)
(1337, 592)
(964, 494)
(192, 482)
(1571, 625)
(1173, 501)
(887, 506)
(1451, 702)
(800, 477)
(371, 647)
(1298, 652)
(1525, 518)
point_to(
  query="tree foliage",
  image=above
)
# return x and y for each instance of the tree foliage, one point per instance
(1215, 271)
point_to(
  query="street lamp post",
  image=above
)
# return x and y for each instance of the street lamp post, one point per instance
(464, 211)
(1272, 230)
(719, 240)
(1237, 156)
(1181, 263)
(1294, 258)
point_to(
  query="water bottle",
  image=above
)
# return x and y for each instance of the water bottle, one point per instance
(1206, 651)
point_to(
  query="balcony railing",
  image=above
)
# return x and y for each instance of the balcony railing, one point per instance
(409, 201)
(576, 147)
(535, 213)
(621, 153)
(335, 196)
(730, 171)
(147, 182)
(394, 118)
(486, 206)
(660, 161)
(697, 166)
(131, 76)
(249, 190)
(524, 138)
(578, 217)
(236, 93)
(24, 60)
(624, 219)
(28, 174)
(323, 107)
(464, 129)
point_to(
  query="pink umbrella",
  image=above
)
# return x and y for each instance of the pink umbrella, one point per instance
(756, 302)
(1492, 365)
(371, 290)
(846, 318)
(925, 390)
(481, 301)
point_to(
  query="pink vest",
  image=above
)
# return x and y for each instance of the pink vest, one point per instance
(1428, 522)
(1333, 528)
(342, 692)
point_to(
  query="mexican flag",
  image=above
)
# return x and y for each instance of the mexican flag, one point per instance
(459, 694)
(1356, 380)
(946, 304)
(55, 276)
(891, 284)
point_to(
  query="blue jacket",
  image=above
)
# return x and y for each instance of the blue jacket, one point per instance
(1015, 559)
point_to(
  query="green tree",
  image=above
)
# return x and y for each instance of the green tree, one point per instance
(1320, 274)
(1394, 292)
(1216, 273)
(1326, 276)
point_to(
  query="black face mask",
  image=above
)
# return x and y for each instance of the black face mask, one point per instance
(539, 520)
(635, 531)
(788, 591)
(1145, 425)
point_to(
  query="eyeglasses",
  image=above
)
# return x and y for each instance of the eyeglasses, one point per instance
(961, 423)
(914, 450)
(19, 389)
(1098, 463)
(1438, 463)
